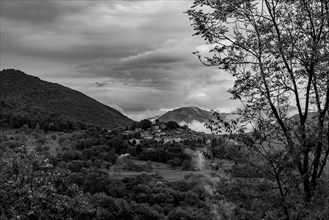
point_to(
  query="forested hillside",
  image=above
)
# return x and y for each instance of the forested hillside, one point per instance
(187, 114)
(26, 99)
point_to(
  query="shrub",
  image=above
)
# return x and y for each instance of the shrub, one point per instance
(174, 162)
(186, 164)
(42, 140)
(54, 136)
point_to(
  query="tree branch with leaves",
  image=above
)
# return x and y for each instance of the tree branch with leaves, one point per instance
(277, 51)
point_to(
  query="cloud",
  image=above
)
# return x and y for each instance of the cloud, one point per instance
(36, 12)
(136, 55)
(100, 84)
(197, 126)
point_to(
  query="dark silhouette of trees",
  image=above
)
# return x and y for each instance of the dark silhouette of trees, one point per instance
(145, 124)
(32, 188)
(172, 125)
(278, 53)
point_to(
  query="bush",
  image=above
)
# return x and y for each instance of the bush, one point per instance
(174, 162)
(38, 148)
(244, 171)
(42, 140)
(61, 140)
(45, 148)
(54, 136)
(186, 164)
(178, 214)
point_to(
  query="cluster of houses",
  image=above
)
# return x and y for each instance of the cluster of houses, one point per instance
(158, 132)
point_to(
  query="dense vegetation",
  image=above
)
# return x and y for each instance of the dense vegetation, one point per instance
(82, 180)
(76, 182)
(278, 55)
(26, 99)
(277, 51)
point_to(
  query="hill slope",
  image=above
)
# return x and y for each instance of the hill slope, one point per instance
(187, 114)
(25, 94)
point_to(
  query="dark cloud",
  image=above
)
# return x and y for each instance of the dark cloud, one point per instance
(136, 56)
(100, 84)
(37, 11)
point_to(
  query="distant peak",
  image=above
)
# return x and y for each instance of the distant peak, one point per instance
(188, 108)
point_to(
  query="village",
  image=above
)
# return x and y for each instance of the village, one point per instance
(162, 133)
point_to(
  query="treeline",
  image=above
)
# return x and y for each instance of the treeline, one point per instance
(13, 116)
(76, 183)
(102, 149)
(145, 124)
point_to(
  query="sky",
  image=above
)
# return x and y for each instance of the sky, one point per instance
(135, 56)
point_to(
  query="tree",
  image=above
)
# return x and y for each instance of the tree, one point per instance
(26, 129)
(186, 164)
(37, 128)
(278, 53)
(32, 188)
(174, 162)
(119, 163)
(149, 165)
(42, 140)
(157, 165)
(137, 135)
(145, 124)
(172, 125)
(61, 141)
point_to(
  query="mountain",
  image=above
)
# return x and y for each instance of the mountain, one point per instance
(25, 95)
(194, 117)
(187, 115)
(153, 118)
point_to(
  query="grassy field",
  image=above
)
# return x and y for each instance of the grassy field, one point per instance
(169, 173)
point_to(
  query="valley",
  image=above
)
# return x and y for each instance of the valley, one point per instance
(112, 167)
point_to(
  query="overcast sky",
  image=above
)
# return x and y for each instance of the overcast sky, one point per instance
(135, 56)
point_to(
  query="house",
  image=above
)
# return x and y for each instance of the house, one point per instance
(150, 149)
(148, 137)
(172, 139)
(127, 133)
(157, 135)
(158, 139)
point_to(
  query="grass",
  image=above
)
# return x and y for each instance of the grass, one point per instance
(158, 168)
(169, 173)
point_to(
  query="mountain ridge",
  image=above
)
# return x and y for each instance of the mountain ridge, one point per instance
(187, 115)
(24, 92)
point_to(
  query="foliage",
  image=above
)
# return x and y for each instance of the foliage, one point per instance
(174, 162)
(30, 187)
(278, 53)
(143, 124)
(186, 164)
(25, 99)
(172, 125)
